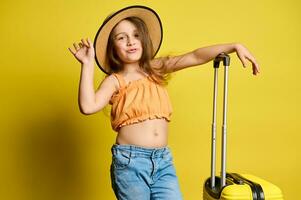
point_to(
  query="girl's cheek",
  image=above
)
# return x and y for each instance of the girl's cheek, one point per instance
(121, 45)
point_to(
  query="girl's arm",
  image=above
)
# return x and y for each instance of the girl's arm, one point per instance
(90, 101)
(86, 93)
(206, 54)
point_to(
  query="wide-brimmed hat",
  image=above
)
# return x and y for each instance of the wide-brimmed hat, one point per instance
(148, 15)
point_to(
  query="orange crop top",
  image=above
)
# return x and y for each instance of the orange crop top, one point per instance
(137, 101)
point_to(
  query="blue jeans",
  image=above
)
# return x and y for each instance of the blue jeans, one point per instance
(139, 173)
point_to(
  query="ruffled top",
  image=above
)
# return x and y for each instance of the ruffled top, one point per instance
(137, 101)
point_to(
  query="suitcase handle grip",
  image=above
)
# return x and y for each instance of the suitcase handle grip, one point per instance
(221, 57)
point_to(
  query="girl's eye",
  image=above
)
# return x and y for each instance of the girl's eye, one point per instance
(136, 35)
(120, 38)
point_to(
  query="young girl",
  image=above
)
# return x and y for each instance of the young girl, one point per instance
(124, 48)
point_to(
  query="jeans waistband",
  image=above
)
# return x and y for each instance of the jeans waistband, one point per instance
(134, 150)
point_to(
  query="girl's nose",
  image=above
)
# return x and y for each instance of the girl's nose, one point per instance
(130, 41)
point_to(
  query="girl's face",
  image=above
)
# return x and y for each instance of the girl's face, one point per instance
(127, 42)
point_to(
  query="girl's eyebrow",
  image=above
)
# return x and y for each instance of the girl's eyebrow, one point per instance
(120, 33)
(135, 31)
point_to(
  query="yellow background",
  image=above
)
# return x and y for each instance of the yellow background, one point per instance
(49, 150)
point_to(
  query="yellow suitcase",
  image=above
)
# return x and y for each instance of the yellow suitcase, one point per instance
(242, 187)
(232, 186)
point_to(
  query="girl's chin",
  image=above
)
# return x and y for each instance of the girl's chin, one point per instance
(133, 59)
(131, 62)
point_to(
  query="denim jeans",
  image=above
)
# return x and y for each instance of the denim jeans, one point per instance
(139, 173)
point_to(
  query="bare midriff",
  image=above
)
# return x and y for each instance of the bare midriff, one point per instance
(151, 133)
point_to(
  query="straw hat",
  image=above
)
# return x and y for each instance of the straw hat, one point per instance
(150, 18)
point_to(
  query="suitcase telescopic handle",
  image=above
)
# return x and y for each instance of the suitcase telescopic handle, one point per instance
(221, 57)
(226, 62)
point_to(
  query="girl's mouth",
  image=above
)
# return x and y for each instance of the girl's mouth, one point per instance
(132, 50)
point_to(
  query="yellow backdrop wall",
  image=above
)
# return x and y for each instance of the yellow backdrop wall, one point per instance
(49, 150)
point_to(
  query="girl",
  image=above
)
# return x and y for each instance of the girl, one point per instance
(124, 48)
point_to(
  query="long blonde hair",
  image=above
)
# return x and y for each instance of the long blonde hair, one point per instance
(157, 73)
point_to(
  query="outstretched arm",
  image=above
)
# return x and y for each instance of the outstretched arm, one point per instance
(205, 54)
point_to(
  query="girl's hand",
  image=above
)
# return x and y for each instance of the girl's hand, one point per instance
(84, 51)
(244, 55)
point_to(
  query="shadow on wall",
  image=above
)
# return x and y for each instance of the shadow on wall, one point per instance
(51, 154)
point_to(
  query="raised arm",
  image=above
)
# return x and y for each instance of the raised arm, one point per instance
(205, 54)
(90, 101)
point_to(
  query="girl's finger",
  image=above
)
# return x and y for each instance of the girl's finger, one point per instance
(89, 42)
(72, 51)
(244, 61)
(85, 43)
(255, 68)
(255, 72)
(251, 59)
(254, 63)
(76, 46)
